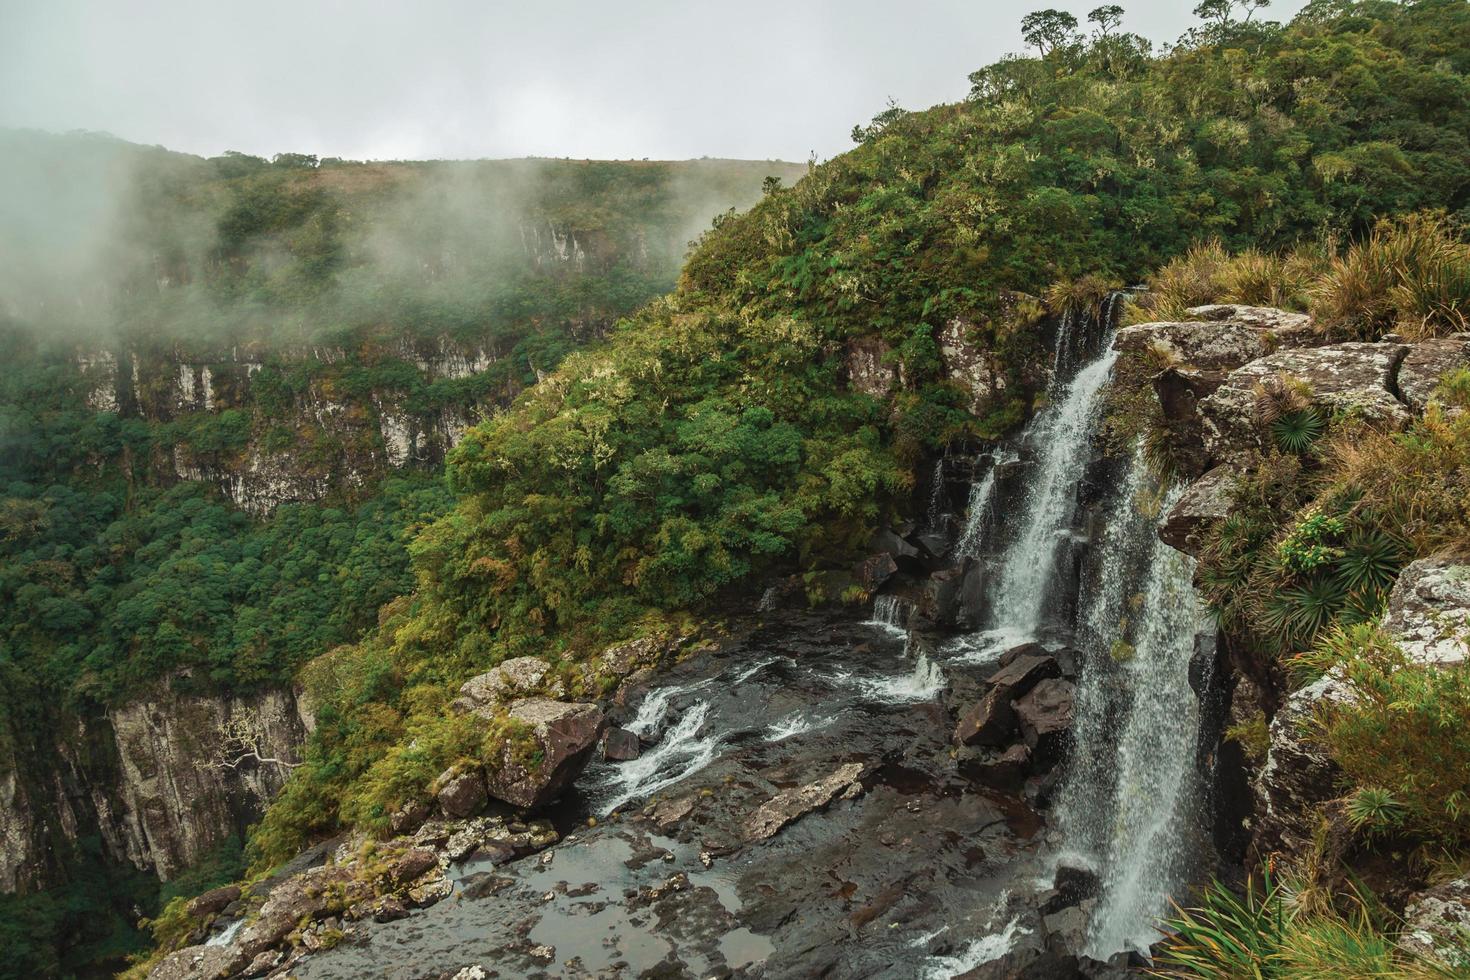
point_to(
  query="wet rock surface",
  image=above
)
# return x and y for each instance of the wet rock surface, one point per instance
(795, 812)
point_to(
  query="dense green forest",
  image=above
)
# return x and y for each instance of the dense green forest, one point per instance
(711, 441)
(301, 282)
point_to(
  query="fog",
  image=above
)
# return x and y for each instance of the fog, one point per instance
(99, 234)
(487, 78)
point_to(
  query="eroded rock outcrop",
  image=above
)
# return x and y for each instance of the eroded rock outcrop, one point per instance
(1206, 501)
(565, 736)
(1428, 610)
(1355, 379)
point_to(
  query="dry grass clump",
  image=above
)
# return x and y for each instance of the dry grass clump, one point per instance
(1207, 273)
(1411, 275)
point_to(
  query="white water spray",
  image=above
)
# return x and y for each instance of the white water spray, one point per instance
(979, 515)
(1063, 433)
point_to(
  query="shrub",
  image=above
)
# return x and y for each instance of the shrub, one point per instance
(1402, 735)
(1410, 275)
(1269, 932)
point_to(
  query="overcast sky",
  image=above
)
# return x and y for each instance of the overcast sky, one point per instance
(483, 78)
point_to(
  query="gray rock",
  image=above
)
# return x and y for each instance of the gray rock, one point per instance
(1260, 317)
(792, 804)
(566, 734)
(1206, 501)
(1220, 346)
(1435, 922)
(1352, 378)
(462, 792)
(1429, 610)
(1426, 363)
(1297, 777)
(199, 963)
(508, 680)
(970, 360)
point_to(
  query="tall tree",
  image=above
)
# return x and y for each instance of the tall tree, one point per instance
(1107, 18)
(1047, 30)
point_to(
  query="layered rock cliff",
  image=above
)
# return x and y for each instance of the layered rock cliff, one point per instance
(161, 780)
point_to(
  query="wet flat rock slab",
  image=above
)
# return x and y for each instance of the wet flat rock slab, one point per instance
(812, 823)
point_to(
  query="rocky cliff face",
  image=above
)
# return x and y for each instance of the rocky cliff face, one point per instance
(161, 781)
(310, 420)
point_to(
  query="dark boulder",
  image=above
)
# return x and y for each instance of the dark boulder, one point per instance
(462, 792)
(620, 745)
(999, 770)
(1045, 716)
(1024, 671)
(989, 721)
(212, 902)
(872, 572)
(565, 735)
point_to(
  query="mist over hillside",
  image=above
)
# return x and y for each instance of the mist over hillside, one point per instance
(101, 236)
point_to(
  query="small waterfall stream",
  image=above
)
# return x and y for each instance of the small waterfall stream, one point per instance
(1128, 805)
(981, 511)
(1062, 434)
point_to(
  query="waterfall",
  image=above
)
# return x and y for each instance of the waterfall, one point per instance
(935, 514)
(892, 613)
(1062, 433)
(978, 515)
(1127, 806)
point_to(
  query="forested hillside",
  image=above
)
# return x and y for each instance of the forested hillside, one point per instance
(714, 439)
(753, 425)
(228, 388)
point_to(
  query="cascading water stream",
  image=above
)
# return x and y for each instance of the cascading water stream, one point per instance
(979, 515)
(1062, 433)
(935, 515)
(1127, 806)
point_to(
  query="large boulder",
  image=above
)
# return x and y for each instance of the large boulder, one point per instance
(1429, 608)
(1426, 363)
(511, 679)
(1435, 923)
(791, 804)
(461, 792)
(1045, 717)
(1352, 378)
(1206, 501)
(991, 721)
(565, 734)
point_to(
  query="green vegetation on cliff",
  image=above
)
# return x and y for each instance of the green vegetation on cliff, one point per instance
(712, 440)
